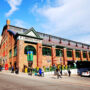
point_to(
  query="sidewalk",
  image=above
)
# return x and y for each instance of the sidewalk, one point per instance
(51, 78)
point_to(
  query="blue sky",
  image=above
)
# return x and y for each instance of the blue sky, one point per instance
(64, 18)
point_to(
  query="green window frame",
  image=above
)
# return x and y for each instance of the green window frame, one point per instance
(77, 54)
(46, 51)
(15, 51)
(69, 53)
(59, 52)
(10, 53)
(84, 55)
(30, 48)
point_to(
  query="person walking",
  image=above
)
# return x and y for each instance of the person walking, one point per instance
(69, 72)
(0, 67)
(31, 69)
(61, 70)
(58, 74)
(16, 70)
(12, 70)
(42, 72)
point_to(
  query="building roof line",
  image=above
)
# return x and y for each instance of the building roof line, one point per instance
(18, 34)
(55, 36)
(18, 27)
(64, 39)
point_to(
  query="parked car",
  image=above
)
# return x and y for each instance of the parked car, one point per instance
(85, 73)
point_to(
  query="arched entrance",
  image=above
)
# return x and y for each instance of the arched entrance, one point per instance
(30, 51)
(30, 48)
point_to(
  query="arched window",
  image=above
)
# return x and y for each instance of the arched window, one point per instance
(30, 48)
(46, 51)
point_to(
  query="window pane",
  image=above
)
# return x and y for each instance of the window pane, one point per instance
(46, 51)
(69, 53)
(15, 51)
(77, 54)
(84, 55)
(59, 52)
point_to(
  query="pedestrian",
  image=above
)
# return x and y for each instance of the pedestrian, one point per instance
(0, 67)
(69, 72)
(16, 70)
(58, 74)
(29, 71)
(12, 70)
(42, 72)
(61, 72)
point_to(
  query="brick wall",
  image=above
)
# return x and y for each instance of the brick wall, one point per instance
(39, 60)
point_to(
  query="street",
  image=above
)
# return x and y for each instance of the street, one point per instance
(15, 82)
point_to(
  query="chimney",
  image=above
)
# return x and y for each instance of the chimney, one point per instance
(82, 46)
(76, 45)
(8, 23)
(68, 42)
(60, 41)
(49, 38)
(87, 47)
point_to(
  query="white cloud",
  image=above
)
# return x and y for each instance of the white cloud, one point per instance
(13, 4)
(84, 39)
(20, 23)
(68, 18)
(34, 8)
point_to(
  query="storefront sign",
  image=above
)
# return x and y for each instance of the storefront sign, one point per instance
(29, 39)
(30, 55)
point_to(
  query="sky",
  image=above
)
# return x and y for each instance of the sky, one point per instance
(68, 19)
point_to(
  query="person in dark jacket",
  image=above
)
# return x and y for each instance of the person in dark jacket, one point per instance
(29, 71)
(12, 70)
(69, 72)
(16, 70)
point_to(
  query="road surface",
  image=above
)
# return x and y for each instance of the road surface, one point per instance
(12, 82)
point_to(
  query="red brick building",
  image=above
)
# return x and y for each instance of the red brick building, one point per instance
(47, 49)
